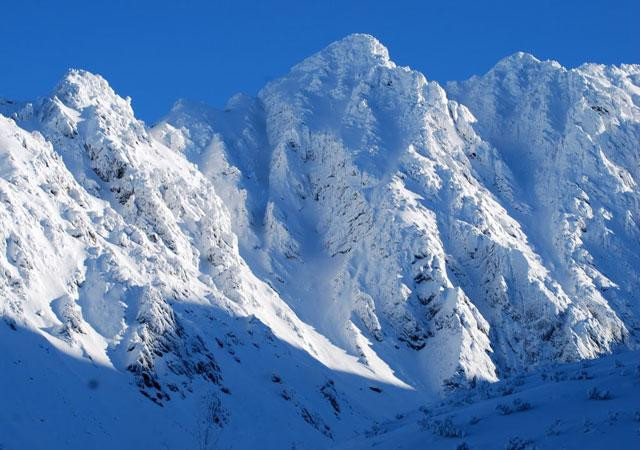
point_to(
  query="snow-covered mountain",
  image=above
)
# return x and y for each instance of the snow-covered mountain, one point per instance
(352, 243)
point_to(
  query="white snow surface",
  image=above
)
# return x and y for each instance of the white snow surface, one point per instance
(301, 267)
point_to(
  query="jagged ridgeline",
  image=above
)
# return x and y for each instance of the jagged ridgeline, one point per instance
(352, 242)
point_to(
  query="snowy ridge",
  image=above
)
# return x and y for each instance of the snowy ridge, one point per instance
(348, 244)
(579, 129)
(132, 248)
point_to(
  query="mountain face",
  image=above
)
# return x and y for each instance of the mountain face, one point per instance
(350, 244)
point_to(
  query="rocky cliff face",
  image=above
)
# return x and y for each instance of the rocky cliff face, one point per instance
(570, 139)
(353, 227)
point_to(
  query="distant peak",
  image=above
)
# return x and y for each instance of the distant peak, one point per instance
(355, 50)
(238, 100)
(80, 88)
(362, 42)
(357, 46)
(522, 60)
(77, 79)
(191, 108)
(522, 56)
(81, 74)
(518, 59)
(186, 103)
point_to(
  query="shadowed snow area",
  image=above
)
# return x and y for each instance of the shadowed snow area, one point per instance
(309, 267)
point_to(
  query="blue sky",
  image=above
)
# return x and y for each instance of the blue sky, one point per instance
(158, 51)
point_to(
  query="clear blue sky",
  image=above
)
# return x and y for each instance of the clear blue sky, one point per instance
(158, 51)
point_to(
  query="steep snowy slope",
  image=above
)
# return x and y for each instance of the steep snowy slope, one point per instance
(347, 245)
(119, 253)
(375, 202)
(571, 138)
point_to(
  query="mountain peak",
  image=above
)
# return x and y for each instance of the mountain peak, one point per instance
(523, 60)
(521, 57)
(346, 248)
(80, 88)
(361, 42)
(356, 51)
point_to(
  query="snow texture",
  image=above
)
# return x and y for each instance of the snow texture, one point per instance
(308, 267)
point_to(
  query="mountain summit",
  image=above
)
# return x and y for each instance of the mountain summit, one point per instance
(353, 243)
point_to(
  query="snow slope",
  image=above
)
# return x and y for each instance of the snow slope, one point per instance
(112, 243)
(592, 404)
(571, 141)
(346, 246)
